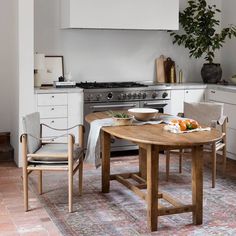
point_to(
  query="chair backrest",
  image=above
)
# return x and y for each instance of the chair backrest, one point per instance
(31, 126)
(204, 112)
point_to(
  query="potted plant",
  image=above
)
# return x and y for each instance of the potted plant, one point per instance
(202, 36)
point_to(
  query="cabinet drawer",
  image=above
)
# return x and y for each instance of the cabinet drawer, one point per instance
(231, 141)
(230, 112)
(53, 111)
(55, 99)
(221, 96)
(59, 123)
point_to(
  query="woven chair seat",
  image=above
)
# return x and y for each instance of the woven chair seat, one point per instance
(54, 154)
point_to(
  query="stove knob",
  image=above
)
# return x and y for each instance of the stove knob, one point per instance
(89, 97)
(139, 95)
(134, 95)
(154, 95)
(122, 96)
(144, 95)
(164, 95)
(129, 96)
(98, 97)
(109, 96)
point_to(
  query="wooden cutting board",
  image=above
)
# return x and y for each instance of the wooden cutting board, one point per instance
(160, 70)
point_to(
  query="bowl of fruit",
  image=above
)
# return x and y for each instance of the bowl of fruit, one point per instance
(182, 126)
(121, 118)
(187, 124)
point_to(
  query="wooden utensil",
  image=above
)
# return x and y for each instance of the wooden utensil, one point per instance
(160, 70)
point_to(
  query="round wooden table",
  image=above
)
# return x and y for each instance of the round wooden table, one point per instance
(151, 139)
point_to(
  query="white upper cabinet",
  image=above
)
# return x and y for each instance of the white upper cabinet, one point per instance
(120, 14)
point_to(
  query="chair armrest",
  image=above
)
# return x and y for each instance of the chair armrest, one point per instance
(223, 120)
(81, 133)
(66, 129)
(23, 136)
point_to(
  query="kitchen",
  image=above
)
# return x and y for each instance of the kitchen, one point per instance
(102, 56)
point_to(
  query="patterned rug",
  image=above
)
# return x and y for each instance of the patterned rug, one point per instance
(122, 213)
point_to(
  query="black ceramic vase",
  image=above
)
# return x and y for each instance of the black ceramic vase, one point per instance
(211, 73)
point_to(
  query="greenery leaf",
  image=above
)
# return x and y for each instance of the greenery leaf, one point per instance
(202, 36)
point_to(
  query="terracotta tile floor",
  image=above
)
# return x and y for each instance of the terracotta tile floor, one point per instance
(13, 219)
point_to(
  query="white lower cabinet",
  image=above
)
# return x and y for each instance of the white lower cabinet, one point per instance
(178, 97)
(75, 112)
(231, 141)
(194, 95)
(60, 111)
(53, 111)
(229, 101)
(57, 123)
(177, 101)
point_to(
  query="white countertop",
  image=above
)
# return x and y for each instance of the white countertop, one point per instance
(229, 88)
(188, 86)
(39, 90)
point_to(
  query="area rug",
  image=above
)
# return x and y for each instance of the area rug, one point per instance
(122, 213)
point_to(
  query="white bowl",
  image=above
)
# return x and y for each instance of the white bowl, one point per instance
(143, 114)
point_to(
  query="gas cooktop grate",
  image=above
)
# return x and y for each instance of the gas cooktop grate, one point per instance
(100, 85)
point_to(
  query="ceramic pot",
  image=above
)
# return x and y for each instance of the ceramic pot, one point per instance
(211, 73)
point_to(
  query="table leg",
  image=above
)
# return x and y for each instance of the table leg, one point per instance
(105, 140)
(143, 163)
(197, 184)
(152, 186)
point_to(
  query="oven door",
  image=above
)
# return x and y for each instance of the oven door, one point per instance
(116, 144)
(163, 106)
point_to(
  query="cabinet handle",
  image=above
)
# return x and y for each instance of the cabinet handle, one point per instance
(52, 109)
(52, 96)
(186, 91)
(212, 91)
(52, 121)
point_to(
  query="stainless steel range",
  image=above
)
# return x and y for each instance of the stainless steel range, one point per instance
(124, 95)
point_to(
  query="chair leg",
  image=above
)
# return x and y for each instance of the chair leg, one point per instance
(213, 165)
(167, 164)
(224, 159)
(25, 172)
(25, 187)
(81, 178)
(70, 173)
(180, 160)
(40, 183)
(70, 190)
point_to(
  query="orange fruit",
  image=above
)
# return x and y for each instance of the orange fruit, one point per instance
(182, 126)
(194, 124)
(187, 122)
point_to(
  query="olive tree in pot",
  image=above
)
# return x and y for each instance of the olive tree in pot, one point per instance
(202, 36)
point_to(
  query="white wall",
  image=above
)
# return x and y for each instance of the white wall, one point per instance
(9, 70)
(228, 55)
(107, 55)
(26, 60)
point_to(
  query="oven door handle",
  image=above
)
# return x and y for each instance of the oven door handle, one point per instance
(149, 104)
(113, 106)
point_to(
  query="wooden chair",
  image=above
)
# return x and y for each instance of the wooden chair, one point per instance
(44, 156)
(208, 114)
